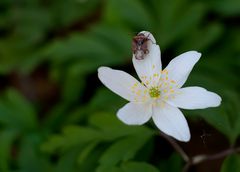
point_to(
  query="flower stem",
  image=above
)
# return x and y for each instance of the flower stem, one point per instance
(190, 161)
(201, 158)
(176, 146)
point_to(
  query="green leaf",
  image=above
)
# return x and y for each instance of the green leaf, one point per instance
(78, 47)
(112, 128)
(231, 163)
(67, 161)
(133, 12)
(207, 35)
(101, 99)
(172, 164)
(106, 32)
(72, 136)
(73, 84)
(76, 10)
(138, 167)
(130, 166)
(29, 157)
(123, 150)
(109, 169)
(225, 7)
(176, 18)
(17, 112)
(86, 151)
(7, 137)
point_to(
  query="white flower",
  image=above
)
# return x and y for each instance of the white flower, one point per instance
(159, 95)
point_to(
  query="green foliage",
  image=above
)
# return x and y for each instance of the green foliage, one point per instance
(73, 126)
(172, 164)
(231, 163)
(137, 166)
(125, 141)
(7, 138)
(16, 112)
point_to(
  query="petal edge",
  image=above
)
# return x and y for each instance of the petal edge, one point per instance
(172, 122)
(195, 98)
(180, 67)
(121, 83)
(135, 113)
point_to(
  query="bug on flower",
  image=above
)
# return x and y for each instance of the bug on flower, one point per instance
(140, 46)
(159, 95)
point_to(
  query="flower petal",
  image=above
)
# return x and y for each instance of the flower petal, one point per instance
(195, 98)
(149, 69)
(180, 67)
(123, 84)
(135, 113)
(171, 121)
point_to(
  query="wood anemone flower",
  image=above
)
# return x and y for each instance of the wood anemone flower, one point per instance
(159, 94)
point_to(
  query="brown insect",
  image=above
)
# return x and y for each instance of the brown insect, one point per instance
(140, 46)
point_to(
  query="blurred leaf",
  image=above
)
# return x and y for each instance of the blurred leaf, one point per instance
(16, 112)
(108, 128)
(98, 103)
(176, 18)
(112, 128)
(86, 151)
(72, 136)
(226, 7)
(30, 158)
(102, 98)
(123, 150)
(231, 163)
(78, 47)
(130, 167)
(109, 169)
(139, 167)
(172, 164)
(117, 38)
(31, 25)
(202, 37)
(73, 84)
(76, 10)
(91, 160)
(67, 162)
(132, 12)
(7, 137)
(56, 117)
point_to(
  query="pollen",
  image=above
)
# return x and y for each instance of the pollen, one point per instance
(154, 92)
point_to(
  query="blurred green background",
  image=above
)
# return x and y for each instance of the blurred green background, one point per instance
(56, 116)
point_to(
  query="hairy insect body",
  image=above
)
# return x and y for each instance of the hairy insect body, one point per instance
(140, 46)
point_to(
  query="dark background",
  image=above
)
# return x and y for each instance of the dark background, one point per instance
(56, 116)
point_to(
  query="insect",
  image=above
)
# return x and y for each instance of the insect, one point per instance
(140, 46)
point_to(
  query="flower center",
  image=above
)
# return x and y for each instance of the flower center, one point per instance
(154, 92)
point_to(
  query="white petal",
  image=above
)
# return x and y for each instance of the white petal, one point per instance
(171, 121)
(151, 64)
(122, 84)
(149, 35)
(181, 66)
(135, 113)
(195, 98)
